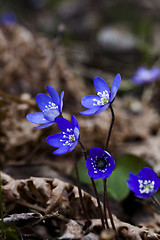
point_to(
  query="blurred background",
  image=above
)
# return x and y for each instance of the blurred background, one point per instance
(67, 43)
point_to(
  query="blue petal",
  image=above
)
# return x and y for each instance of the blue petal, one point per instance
(61, 101)
(51, 114)
(44, 125)
(74, 122)
(54, 95)
(144, 75)
(102, 108)
(147, 174)
(94, 175)
(62, 150)
(73, 146)
(90, 111)
(54, 140)
(106, 174)
(89, 166)
(87, 101)
(155, 72)
(144, 195)
(37, 118)
(132, 183)
(76, 133)
(115, 86)
(100, 85)
(96, 152)
(43, 101)
(63, 124)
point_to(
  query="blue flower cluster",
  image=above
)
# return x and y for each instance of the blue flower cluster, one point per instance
(100, 164)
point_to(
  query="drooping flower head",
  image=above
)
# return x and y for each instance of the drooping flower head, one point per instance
(67, 140)
(100, 164)
(51, 108)
(144, 75)
(101, 101)
(145, 184)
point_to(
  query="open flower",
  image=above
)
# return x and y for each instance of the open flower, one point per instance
(100, 164)
(144, 75)
(67, 140)
(51, 108)
(101, 101)
(145, 184)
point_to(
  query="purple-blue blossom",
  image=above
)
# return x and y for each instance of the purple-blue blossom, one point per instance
(67, 140)
(100, 164)
(145, 184)
(144, 75)
(98, 103)
(51, 108)
(8, 18)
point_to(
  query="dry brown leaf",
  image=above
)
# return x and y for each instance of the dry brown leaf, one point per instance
(51, 195)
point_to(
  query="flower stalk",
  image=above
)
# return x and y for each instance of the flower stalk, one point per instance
(105, 197)
(94, 186)
(111, 126)
(156, 201)
(80, 193)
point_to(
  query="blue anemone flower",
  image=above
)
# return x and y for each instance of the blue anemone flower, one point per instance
(145, 184)
(51, 108)
(101, 101)
(100, 164)
(144, 75)
(67, 140)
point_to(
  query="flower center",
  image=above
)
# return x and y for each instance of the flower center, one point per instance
(104, 98)
(104, 101)
(72, 138)
(146, 186)
(101, 163)
(50, 106)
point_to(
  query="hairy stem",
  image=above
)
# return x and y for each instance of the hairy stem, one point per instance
(94, 186)
(80, 192)
(109, 210)
(104, 202)
(156, 201)
(105, 197)
(110, 129)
